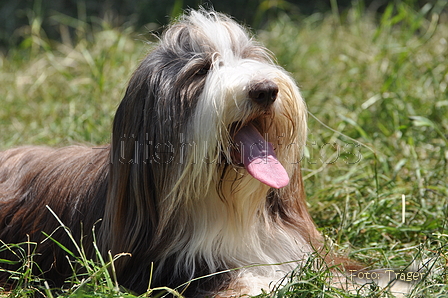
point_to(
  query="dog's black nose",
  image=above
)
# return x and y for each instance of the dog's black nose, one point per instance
(263, 92)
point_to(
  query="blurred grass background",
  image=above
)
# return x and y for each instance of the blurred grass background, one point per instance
(374, 76)
(140, 13)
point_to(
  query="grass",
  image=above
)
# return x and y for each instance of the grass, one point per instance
(376, 89)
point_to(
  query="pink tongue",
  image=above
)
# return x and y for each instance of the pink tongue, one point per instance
(258, 157)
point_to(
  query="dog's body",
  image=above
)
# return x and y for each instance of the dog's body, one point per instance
(192, 181)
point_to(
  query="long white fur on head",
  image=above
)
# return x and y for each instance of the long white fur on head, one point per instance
(238, 230)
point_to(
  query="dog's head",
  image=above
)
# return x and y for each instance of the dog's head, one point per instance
(209, 106)
(206, 141)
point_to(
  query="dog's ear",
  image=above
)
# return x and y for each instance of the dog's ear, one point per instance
(132, 191)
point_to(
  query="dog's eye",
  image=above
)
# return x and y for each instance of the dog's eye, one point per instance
(203, 71)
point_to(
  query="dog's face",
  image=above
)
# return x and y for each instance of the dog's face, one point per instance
(224, 110)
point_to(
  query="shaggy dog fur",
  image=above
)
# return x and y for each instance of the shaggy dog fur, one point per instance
(202, 174)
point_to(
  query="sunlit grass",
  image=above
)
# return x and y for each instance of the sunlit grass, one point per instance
(376, 89)
(382, 82)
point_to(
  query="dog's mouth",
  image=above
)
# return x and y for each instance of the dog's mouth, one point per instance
(258, 156)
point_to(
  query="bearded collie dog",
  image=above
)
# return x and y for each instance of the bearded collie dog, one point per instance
(202, 174)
